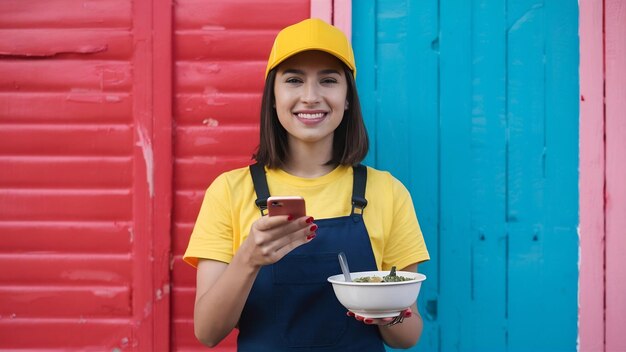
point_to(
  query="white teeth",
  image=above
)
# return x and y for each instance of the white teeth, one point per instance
(310, 116)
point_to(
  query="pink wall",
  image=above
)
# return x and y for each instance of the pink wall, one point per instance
(615, 196)
(337, 12)
(602, 313)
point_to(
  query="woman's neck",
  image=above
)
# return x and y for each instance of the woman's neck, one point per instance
(309, 160)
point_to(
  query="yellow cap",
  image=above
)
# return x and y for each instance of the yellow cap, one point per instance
(311, 34)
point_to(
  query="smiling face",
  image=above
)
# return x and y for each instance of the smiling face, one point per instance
(310, 97)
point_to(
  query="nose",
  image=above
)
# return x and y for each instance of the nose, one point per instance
(311, 95)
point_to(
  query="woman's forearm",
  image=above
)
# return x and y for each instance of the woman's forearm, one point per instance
(217, 310)
(406, 334)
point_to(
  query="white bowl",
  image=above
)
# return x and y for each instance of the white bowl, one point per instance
(377, 299)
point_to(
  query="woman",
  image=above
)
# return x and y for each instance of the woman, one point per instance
(267, 275)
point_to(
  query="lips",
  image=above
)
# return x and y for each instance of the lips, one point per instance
(311, 118)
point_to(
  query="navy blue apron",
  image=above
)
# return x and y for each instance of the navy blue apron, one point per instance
(291, 306)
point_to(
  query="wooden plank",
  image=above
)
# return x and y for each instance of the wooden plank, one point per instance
(65, 205)
(232, 109)
(51, 172)
(525, 183)
(219, 15)
(455, 92)
(52, 140)
(162, 88)
(246, 44)
(342, 16)
(68, 237)
(488, 178)
(217, 141)
(65, 13)
(393, 113)
(364, 44)
(591, 179)
(74, 75)
(322, 9)
(615, 61)
(422, 56)
(62, 334)
(143, 270)
(542, 192)
(76, 44)
(213, 78)
(69, 108)
(561, 170)
(183, 299)
(65, 301)
(98, 269)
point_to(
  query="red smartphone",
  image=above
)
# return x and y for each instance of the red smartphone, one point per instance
(286, 205)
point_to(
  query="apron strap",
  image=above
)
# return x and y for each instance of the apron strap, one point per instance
(358, 189)
(257, 171)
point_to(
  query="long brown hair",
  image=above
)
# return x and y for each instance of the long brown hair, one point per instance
(350, 141)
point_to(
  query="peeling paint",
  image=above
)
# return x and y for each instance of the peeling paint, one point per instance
(104, 293)
(211, 96)
(525, 17)
(112, 99)
(210, 122)
(82, 50)
(210, 27)
(124, 341)
(99, 275)
(165, 290)
(146, 149)
(204, 141)
(90, 96)
(208, 68)
(147, 310)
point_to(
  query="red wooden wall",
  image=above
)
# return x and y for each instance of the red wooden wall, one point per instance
(83, 257)
(115, 115)
(220, 52)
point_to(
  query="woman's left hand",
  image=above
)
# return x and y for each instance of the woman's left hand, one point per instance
(379, 321)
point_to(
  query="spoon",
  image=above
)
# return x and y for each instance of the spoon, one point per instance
(343, 262)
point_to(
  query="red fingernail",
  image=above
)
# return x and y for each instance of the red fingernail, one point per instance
(358, 317)
(349, 313)
(310, 237)
(313, 228)
(368, 321)
(309, 220)
(408, 314)
(290, 217)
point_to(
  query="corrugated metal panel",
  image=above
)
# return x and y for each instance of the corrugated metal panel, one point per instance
(220, 50)
(77, 250)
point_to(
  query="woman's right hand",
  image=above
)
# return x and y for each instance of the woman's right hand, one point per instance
(272, 237)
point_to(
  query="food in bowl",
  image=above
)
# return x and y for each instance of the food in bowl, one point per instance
(377, 299)
(392, 277)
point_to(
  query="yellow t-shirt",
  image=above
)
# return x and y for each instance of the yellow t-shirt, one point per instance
(228, 211)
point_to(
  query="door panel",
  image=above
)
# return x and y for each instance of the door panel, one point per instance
(480, 100)
(220, 51)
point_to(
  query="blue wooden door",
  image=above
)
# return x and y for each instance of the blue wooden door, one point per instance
(473, 105)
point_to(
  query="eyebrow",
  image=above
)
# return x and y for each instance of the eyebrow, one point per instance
(300, 72)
